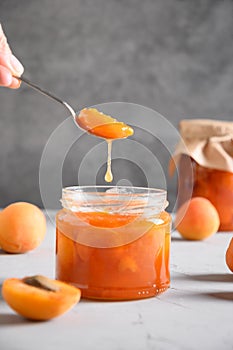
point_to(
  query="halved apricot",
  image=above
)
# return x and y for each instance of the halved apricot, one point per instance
(102, 125)
(39, 297)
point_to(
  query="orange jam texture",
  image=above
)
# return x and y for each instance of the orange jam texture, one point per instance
(113, 270)
(215, 185)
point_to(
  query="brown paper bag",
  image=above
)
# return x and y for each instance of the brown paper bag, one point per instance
(208, 142)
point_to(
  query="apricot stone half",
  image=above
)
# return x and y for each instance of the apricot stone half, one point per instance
(39, 297)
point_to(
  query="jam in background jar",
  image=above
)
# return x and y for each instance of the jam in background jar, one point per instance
(215, 185)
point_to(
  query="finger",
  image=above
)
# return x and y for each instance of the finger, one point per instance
(15, 83)
(5, 76)
(7, 80)
(4, 47)
(12, 63)
(7, 59)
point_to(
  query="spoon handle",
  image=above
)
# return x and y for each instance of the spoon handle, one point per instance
(47, 93)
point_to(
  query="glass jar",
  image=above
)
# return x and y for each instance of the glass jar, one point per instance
(204, 160)
(113, 242)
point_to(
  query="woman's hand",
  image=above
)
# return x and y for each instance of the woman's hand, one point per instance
(9, 64)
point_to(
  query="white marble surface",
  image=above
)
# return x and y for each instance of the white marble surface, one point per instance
(195, 313)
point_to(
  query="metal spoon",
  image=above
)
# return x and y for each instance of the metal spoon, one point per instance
(125, 132)
(47, 93)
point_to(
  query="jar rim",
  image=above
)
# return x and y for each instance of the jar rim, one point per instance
(123, 190)
(114, 199)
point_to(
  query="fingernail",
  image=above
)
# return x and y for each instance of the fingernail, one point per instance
(16, 65)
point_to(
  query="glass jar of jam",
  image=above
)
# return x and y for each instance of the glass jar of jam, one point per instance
(114, 242)
(204, 159)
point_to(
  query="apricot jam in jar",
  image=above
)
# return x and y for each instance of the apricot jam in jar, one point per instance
(114, 242)
(205, 165)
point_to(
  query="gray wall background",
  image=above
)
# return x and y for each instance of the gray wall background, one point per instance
(173, 56)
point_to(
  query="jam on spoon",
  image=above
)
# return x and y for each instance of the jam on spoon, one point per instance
(102, 125)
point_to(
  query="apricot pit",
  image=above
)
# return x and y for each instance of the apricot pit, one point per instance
(41, 282)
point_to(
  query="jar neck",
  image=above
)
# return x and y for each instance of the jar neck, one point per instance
(114, 200)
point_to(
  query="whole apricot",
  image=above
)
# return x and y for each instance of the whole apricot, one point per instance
(39, 297)
(229, 255)
(197, 219)
(22, 227)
